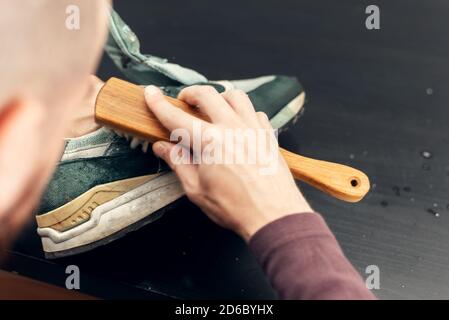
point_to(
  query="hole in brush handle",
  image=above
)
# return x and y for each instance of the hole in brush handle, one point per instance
(340, 181)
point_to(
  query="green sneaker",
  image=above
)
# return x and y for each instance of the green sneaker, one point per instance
(105, 187)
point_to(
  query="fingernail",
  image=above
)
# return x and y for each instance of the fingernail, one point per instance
(158, 148)
(151, 91)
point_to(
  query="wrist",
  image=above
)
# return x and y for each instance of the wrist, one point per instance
(271, 213)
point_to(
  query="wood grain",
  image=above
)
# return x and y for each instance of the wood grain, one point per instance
(121, 106)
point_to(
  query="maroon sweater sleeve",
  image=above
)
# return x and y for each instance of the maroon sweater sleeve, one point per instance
(303, 260)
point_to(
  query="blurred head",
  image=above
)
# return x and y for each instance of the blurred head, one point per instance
(45, 67)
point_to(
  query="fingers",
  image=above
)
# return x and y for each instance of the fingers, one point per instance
(242, 105)
(263, 120)
(186, 172)
(210, 102)
(265, 124)
(170, 116)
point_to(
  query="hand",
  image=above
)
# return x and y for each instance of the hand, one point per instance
(238, 196)
(83, 118)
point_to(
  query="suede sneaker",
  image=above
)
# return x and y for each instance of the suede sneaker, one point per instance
(105, 187)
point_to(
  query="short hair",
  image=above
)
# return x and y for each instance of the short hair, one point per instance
(39, 52)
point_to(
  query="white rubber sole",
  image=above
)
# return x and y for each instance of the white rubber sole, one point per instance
(115, 215)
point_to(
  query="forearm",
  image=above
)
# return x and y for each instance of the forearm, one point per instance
(303, 260)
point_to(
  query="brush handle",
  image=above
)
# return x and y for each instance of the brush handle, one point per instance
(121, 105)
(340, 181)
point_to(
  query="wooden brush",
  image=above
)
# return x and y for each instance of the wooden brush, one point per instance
(121, 106)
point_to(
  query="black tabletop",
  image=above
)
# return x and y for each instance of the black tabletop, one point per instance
(376, 100)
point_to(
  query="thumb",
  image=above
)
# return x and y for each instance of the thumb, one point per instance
(162, 150)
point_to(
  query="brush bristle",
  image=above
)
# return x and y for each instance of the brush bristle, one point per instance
(134, 141)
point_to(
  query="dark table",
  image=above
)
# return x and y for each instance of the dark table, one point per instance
(377, 100)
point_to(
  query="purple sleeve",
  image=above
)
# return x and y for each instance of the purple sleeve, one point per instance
(303, 260)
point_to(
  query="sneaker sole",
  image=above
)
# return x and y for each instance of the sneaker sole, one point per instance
(289, 114)
(108, 220)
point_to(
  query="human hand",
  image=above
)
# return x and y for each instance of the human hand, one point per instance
(83, 116)
(236, 195)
